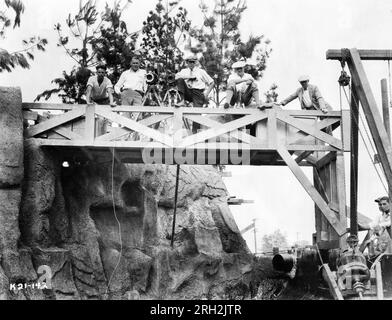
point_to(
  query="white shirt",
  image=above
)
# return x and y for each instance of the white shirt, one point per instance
(99, 91)
(132, 80)
(306, 99)
(202, 78)
(383, 220)
(240, 87)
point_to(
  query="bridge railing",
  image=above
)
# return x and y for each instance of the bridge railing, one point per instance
(299, 131)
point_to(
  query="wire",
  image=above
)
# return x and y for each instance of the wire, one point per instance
(364, 142)
(118, 222)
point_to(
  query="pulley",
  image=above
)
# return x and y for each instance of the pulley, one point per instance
(344, 79)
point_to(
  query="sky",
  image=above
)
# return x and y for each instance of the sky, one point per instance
(301, 31)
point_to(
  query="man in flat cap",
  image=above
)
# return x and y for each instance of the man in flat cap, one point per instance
(241, 87)
(193, 83)
(309, 96)
(380, 228)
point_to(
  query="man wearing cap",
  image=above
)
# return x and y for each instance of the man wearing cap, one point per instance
(309, 96)
(100, 88)
(193, 83)
(380, 228)
(384, 220)
(241, 87)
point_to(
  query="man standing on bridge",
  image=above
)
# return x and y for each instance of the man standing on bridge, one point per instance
(132, 84)
(309, 96)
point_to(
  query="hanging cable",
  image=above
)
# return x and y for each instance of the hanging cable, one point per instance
(365, 144)
(118, 222)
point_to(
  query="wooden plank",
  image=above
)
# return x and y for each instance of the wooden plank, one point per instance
(328, 158)
(379, 285)
(301, 147)
(240, 135)
(272, 128)
(51, 106)
(310, 189)
(309, 158)
(336, 54)
(177, 127)
(133, 125)
(330, 280)
(341, 192)
(373, 117)
(30, 115)
(90, 123)
(313, 131)
(117, 133)
(55, 122)
(67, 133)
(325, 123)
(222, 129)
(302, 156)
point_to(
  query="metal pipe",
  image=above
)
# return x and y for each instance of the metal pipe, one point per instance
(283, 262)
(175, 205)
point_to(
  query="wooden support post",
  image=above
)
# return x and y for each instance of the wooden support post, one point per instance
(311, 190)
(354, 163)
(385, 106)
(254, 234)
(90, 123)
(380, 289)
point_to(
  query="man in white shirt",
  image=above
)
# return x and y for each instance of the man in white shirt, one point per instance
(241, 87)
(309, 96)
(100, 88)
(132, 84)
(380, 228)
(194, 84)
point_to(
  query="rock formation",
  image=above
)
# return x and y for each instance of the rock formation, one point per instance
(103, 230)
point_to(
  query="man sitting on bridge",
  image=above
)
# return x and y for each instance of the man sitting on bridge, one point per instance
(241, 87)
(194, 84)
(309, 96)
(100, 88)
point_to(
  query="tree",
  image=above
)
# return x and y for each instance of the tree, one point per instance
(164, 31)
(219, 41)
(274, 240)
(103, 38)
(10, 60)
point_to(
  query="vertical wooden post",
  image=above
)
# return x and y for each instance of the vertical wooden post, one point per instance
(354, 163)
(90, 123)
(385, 106)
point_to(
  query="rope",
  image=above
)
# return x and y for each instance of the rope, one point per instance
(119, 226)
(364, 142)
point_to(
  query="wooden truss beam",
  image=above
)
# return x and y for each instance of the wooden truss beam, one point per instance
(311, 190)
(363, 54)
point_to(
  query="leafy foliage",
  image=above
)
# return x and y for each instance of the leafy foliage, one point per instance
(219, 41)
(163, 32)
(10, 60)
(274, 240)
(103, 38)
